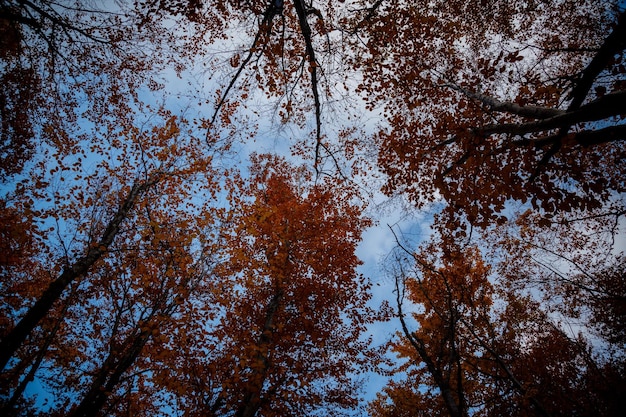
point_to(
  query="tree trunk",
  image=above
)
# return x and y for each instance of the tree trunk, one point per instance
(109, 376)
(252, 398)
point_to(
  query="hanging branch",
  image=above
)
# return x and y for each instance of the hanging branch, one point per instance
(310, 53)
(273, 8)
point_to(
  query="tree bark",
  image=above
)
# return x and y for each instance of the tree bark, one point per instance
(613, 104)
(613, 44)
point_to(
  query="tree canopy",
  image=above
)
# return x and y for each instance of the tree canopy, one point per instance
(153, 261)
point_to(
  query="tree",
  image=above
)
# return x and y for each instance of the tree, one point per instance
(65, 63)
(454, 302)
(91, 195)
(145, 302)
(132, 283)
(573, 266)
(131, 213)
(523, 106)
(481, 349)
(68, 65)
(501, 114)
(289, 336)
(19, 333)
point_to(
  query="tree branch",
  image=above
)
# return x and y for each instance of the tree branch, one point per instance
(584, 138)
(610, 105)
(533, 112)
(371, 11)
(264, 28)
(613, 44)
(310, 52)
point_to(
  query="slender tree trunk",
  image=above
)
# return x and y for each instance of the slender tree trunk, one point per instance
(443, 383)
(120, 360)
(10, 408)
(12, 342)
(109, 376)
(252, 398)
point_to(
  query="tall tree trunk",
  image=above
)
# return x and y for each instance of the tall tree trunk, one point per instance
(252, 400)
(120, 360)
(443, 383)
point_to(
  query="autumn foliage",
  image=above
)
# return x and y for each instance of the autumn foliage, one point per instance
(527, 108)
(153, 263)
(292, 307)
(514, 131)
(471, 347)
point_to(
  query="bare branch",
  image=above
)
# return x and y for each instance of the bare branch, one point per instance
(264, 28)
(610, 105)
(534, 112)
